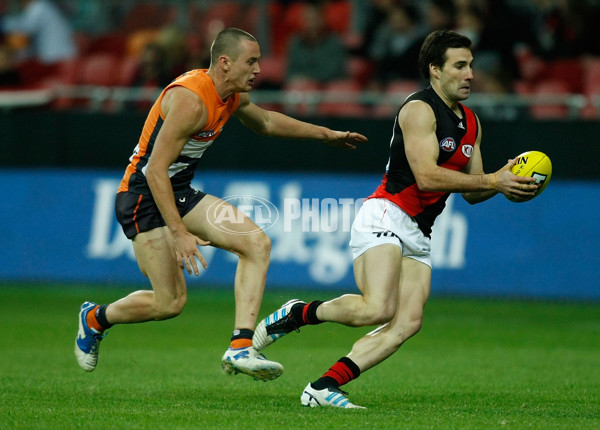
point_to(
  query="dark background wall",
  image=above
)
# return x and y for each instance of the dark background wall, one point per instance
(38, 138)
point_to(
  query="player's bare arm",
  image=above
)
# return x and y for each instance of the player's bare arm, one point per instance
(475, 167)
(184, 115)
(275, 124)
(418, 124)
(506, 180)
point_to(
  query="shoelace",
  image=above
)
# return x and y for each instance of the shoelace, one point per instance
(97, 338)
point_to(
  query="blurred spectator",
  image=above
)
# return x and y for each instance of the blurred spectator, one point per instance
(439, 15)
(376, 13)
(563, 29)
(9, 74)
(152, 71)
(470, 22)
(49, 36)
(316, 53)
(491, 76)
(395, 47)
(151, 76)
(200, 51)
(493, 37)
(174, 44)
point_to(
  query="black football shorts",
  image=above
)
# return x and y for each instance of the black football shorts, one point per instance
(138, 213)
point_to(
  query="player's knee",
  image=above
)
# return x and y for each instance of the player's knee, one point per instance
(378, 313)
(383, 314)
(409, 328)
(257, 246)
(171, 308)
(414, 326)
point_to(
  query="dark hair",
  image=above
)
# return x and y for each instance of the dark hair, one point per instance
(227, 42)
(433, 50)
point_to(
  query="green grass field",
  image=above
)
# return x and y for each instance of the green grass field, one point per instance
(477, 364)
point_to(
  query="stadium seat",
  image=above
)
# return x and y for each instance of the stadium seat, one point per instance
(98, 69)
(569, 71)
(360, 70)
(549, 111)
(591, 74)
(228, 12)
(301, 96)
(341, 98)
(251, 19)
(113, 43)
(272, 72)
(591, 88)
(530, 66)
(126, 71)
(522, 87)
(338, 15)
(147, 15)
(393, 96)
(83, 41)
(403, 87)
(67, 73)
(32, 72)
(284, 20)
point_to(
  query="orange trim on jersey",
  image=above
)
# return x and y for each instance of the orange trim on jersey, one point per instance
(218, 113)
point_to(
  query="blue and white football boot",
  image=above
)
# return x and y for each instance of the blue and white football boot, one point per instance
(88, 340)
(249, 361)
(326, 397)
(276, 325)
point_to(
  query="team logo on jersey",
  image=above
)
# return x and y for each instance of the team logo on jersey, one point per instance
(467, 150)
(204, 134)
(448, 144)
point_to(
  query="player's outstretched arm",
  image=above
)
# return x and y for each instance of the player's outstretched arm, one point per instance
(276, 124)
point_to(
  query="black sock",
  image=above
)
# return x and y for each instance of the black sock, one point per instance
(242, 333)
(324, 382)
(101, 317)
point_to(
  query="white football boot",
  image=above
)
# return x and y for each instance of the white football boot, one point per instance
(326, 397)
(249, 361)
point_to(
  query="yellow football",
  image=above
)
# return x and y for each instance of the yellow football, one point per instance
(535, 164)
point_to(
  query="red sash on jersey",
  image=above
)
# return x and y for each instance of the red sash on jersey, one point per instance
(412, 199)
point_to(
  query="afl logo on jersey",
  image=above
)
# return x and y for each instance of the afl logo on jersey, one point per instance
(467, 150)
(448, 144)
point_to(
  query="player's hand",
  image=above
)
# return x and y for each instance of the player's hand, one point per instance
(345, 139)
(186, 249)
(511, 185)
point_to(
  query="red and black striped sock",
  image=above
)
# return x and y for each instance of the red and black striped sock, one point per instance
(307, 314)
(342, 372)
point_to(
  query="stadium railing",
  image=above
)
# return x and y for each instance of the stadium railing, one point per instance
(116, 99)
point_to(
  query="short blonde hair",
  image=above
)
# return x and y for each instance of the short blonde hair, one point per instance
(227, 43)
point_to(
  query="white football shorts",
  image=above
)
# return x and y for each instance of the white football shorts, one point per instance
(379, 222)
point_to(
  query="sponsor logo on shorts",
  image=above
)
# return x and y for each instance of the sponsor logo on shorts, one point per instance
(385, 234)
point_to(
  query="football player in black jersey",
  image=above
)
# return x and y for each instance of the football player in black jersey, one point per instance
(435, 151)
